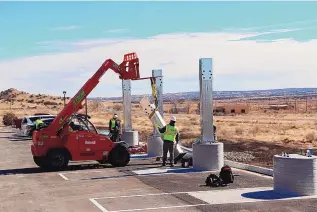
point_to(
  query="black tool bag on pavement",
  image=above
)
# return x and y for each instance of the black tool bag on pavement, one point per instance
(213, 180)
(225, 177)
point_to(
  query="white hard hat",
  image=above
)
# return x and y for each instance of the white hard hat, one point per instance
(173, 118)
(115, 116)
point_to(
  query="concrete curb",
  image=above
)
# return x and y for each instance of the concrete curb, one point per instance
(250, 168)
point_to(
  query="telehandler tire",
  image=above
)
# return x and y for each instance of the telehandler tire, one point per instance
(119, 156)
(39, 161)
(56, 160)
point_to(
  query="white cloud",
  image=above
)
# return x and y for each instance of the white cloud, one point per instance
(117, 30)
(178, 55)
(72, 27)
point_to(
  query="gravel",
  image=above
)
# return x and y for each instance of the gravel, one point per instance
(246, 156)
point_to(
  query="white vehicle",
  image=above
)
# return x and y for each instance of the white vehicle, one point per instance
(28, 123)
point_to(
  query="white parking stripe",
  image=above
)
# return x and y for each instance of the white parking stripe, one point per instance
(98, 205)
(63, 176)
(165, 207)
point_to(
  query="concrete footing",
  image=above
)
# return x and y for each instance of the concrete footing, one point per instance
(131, 137)
(296, 174)
(155, 146)
(208, 157)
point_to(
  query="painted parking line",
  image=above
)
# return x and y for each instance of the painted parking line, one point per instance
(63, 176)
(159, 208)
(212, 197)
(98, 205)
(143, 172)
(178, 204)
(243, 195)
(138, 172)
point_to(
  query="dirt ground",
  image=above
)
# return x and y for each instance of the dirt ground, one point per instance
(24, 187)
(253, 137)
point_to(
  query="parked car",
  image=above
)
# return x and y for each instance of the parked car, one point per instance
(28, 123)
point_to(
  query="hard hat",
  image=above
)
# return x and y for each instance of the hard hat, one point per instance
(173, 118)
(115, 116)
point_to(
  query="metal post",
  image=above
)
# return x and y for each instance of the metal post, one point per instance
(159, 90)
(130, 136)
(64, 92)
(126, 92)
(206, 103)
(207, 154)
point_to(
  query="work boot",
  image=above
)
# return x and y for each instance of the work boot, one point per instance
(163, 164)
(172, 165)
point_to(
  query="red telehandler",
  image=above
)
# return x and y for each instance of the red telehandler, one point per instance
(72, 137)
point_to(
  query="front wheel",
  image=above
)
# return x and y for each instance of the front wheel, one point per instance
(119, 156)
(39, 161)
(57, 160)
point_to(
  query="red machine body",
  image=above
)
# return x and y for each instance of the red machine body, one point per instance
(55, 145)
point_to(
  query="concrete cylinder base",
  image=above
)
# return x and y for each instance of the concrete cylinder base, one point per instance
(155, 146)
(131, 137)
(208, 157)
(296, 174)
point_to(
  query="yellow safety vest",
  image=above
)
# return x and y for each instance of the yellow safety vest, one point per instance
(170, 133)
(113, 123)
(37, 122)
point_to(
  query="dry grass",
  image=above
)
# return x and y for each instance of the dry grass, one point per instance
(278, 127)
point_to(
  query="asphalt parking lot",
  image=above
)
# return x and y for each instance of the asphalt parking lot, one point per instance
(141, 186)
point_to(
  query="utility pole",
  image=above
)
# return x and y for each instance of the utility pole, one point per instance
(64, 92)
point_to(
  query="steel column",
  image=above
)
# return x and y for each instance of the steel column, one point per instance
(206, 99)
(127, 98)
(159, 90)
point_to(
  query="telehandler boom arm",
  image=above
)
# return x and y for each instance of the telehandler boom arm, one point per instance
(128, 69)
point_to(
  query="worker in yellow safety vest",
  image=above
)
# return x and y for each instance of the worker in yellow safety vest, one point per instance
(170, 137)
(38, 123)
(114, 128)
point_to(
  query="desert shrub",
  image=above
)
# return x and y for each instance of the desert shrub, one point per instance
(255, 130)
(50, 103)
(174, 109)
(117, 107)
(8, 119)
(239, 131)
(232, 124)
(311, 136)
(30, 101)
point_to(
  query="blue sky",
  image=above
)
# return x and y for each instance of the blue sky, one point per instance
(48, 47)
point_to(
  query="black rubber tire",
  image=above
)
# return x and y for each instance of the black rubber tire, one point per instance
(119, 156)
(101, 161)
(39, 161)
(57, 160)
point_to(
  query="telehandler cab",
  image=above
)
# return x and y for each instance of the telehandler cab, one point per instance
(70, 137)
